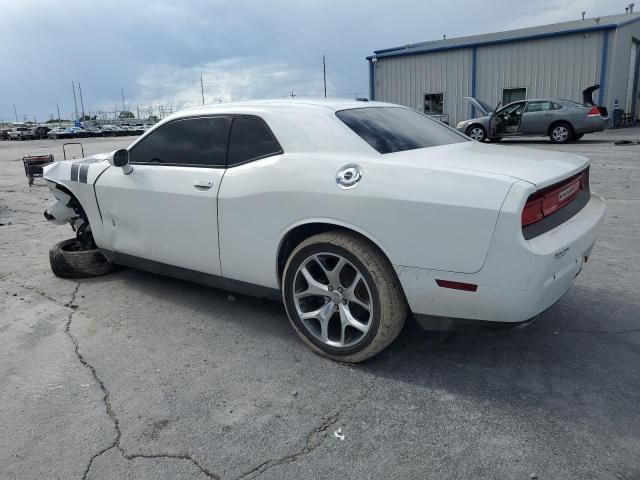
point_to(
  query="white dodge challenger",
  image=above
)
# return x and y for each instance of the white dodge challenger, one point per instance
(355, 214)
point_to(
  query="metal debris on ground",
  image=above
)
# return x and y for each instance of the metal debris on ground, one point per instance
(338, 434)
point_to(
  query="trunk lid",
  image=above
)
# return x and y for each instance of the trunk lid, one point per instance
(541, 168)
(587, 95)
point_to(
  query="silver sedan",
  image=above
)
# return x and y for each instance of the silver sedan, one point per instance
(562, 120)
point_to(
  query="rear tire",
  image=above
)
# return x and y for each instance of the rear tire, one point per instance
(68, 260)
(353, 290)
(560, 132)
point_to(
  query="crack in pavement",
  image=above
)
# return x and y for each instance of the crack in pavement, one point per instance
(107, 401)
(106, 397)
(315, 438)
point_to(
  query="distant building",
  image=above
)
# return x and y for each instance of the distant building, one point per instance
(558, 60)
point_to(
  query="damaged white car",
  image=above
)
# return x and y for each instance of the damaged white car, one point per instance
(354, 214)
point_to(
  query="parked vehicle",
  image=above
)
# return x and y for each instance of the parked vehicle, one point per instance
(4, 134)
(77, 132)
(59, 132)
(562, 120)
(21, 133)
(353, 214)
(93, 131)
(112, 131)
(41, 132)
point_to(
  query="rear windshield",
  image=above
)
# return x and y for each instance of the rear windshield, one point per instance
(395, 129)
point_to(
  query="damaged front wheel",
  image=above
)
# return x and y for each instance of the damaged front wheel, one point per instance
(71, 259)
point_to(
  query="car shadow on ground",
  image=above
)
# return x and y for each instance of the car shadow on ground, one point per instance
(572, 349)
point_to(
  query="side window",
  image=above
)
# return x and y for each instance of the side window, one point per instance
(539, 107)
(251, 139)
(190, 141)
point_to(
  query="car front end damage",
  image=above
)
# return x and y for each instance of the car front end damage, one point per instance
(71, 183)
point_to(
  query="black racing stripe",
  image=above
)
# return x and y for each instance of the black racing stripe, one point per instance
(74, 172)
(84, 169)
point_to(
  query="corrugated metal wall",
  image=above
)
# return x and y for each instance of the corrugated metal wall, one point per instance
(559, 67)
(405, 80)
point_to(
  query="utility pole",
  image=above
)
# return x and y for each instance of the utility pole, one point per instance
(15, 112)
(202, 88)
(324, 74)
(122, 94)
(81, 101)
(58, 107)
(75, 102)
(138, 111)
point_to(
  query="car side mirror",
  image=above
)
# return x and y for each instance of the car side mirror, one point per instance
(120, 158)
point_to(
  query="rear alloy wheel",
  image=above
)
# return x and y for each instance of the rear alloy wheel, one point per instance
(343, 297)
(69, 259)
(561, 133)
(477, 133)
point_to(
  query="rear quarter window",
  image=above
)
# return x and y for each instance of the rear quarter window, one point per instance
(251, 139)
(396, 129)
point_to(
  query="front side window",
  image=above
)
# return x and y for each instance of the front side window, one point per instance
(513, 109)
(434, 103)
(251, 139)
(200, 141)
(395, 129)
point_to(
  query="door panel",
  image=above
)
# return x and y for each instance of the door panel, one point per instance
(537, 118)
(163, 213)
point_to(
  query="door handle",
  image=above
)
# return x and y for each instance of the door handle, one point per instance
(203, 184)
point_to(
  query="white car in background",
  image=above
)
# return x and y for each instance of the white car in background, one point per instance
(354, 214)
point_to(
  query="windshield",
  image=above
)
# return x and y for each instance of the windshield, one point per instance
(395, 129)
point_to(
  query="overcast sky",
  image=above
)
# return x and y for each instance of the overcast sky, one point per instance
(157, 50)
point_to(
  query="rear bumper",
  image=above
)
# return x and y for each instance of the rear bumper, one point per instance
(592, 124)
(520, 278)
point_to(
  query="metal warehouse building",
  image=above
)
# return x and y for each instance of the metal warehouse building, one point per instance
(557, 61)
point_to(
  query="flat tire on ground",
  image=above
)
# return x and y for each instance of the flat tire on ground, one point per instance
(69, 260)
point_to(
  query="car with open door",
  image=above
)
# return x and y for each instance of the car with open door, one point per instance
(562, 120)
(353, 214)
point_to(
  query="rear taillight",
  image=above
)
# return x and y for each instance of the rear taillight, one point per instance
(594, 112)
(549, 200)
(532, 212)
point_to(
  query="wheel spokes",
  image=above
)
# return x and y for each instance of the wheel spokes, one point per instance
(315, 288)
(322, 315)
(333, 275)
(349, 293)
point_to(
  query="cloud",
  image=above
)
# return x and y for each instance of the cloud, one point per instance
(156, 49)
